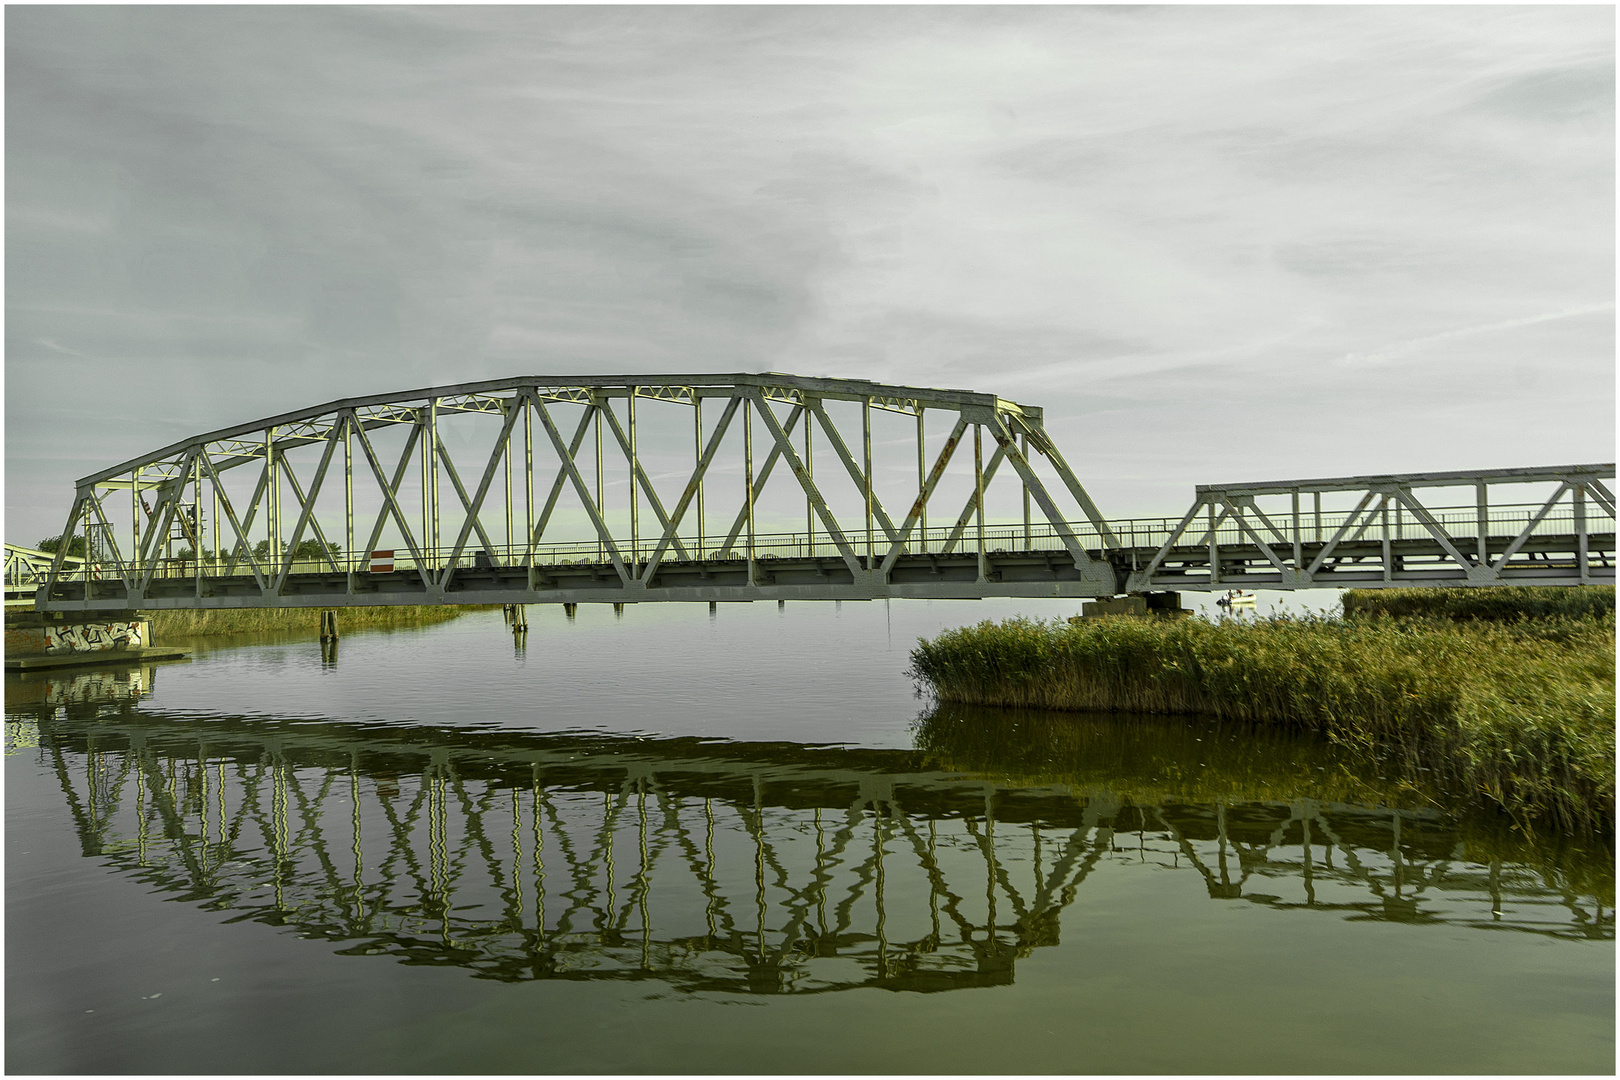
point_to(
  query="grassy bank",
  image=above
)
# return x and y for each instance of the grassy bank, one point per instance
(1519, 714)
(169, 625)
(1505, 604)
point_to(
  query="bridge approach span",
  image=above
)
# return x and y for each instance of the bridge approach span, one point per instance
(659, 488)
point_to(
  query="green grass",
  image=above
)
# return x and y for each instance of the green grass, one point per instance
(1500, 604)
(1517, 714)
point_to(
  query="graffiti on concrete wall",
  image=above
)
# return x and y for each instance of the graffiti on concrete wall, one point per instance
(93, 637)
(96, 687)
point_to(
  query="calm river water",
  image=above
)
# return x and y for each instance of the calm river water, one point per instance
(677, 842)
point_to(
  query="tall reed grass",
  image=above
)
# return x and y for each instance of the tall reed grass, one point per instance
(1518, 714)
(1499, 604)
(169, 625)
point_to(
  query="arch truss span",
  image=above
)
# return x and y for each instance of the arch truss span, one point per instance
(595, 489)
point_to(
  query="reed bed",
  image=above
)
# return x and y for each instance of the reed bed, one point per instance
(1517, 714)
(1499, 604)
(167, 625)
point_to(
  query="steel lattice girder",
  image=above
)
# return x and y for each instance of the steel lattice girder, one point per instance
(1477, 544)
(874, 552)
(27, 568)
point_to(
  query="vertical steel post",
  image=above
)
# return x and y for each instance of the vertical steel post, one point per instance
(810, 473)
(427, 440)
(213, 489)
(599, 403)
(1580, 534)
(85, 571)
(1027, 542)
(1317, 495)
(635, 529)
(1214, 548)
(349, 561)
(978, 493)
(273, 491)
(1298, 563)
(528, 481)
(433, 452)
(1383, 523)
(1483, 519)
(866, 463)
(697, 459)
(922, 479)
(135, 520)
(748, 482)
(196, 523)
(506, 463)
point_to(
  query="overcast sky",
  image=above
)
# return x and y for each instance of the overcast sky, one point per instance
(1214, 243)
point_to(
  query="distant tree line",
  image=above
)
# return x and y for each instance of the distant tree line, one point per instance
(54, 544)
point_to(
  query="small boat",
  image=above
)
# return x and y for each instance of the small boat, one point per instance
(1236, 599)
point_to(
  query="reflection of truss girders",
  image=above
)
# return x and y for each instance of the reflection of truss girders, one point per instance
(488, 533)
(764, 869)
(1392, 536)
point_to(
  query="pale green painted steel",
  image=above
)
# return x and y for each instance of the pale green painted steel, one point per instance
(1551, 539)
(584, 547)
(256, 563)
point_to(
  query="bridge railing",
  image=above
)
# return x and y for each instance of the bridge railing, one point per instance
(1142, 535)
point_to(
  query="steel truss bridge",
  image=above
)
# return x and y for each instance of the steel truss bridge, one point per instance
(361, 502)
(744, 868)
(26, 569)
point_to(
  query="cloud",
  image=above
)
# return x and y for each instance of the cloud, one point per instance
(225, 212)
(1399, 349)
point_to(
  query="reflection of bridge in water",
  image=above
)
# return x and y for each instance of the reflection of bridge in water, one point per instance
(742, 868)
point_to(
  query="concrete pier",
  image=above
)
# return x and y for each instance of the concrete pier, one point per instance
(36, 640)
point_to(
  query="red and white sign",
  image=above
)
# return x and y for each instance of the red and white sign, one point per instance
(382, 562)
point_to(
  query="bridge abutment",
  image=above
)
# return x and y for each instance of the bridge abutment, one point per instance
(44, 640)
(1156, 604)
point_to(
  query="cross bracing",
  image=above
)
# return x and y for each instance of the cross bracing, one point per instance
(749, 487)
(749, 868)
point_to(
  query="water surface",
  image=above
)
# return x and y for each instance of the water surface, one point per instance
(671, 842)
